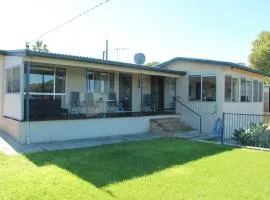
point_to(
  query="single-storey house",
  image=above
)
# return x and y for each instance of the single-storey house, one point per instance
(51, 97)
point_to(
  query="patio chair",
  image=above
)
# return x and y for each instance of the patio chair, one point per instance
(113, 105)
(75, 103)
(148, 104)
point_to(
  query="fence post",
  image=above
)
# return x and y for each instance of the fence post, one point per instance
(223, 127)
(200, 124)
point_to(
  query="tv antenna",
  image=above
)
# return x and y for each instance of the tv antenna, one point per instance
(118, 51)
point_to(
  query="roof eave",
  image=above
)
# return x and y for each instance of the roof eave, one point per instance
(99, 61)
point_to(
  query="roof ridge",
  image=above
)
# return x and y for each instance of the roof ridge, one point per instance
(213, 62)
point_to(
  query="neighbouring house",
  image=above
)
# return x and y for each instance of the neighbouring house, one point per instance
(51, 97)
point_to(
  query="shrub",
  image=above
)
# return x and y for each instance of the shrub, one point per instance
(256, 135)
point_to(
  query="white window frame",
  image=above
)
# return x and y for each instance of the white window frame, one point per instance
(108, 77)
(5, 78)
(239, 89)
(201, 76)
(53, 93)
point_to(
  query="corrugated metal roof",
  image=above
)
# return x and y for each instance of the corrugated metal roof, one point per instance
(212, 62)
(91, 60)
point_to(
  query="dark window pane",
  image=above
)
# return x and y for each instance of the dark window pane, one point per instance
(16, 79)
(255, 91)
(260, 92)
(209, 88)
(9, 80)
(41, 79)
(235, 89)
(194, 88)
(228, 88)
(13, 78)
(243, 90)
(60, 81)
(111, 82)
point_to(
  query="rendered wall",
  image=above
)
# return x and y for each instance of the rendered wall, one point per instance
(2, 58)
(88, 128)
(210, 111)
(13, 128)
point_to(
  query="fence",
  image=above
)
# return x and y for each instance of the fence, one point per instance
(246, 130)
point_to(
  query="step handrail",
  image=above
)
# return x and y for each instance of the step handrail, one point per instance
(176, 99)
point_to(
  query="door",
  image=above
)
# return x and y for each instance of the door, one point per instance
(157, 92)
(125, 91)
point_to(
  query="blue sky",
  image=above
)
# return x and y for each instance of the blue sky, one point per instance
(221, 30)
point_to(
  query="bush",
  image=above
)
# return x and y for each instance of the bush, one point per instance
(256, 135)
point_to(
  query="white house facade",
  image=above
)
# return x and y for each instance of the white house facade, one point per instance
(51, 97)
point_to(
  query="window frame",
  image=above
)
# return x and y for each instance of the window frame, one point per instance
(54, 94)
(12, 81)
(201, 88)
(93, 89)
(247, 79)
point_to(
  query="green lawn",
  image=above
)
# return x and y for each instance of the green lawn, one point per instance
(160, 169)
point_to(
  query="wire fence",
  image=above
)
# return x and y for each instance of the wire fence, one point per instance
(246, 130)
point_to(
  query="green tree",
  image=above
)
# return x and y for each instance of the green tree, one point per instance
(260, 53)
(39, 46)
(150, 64)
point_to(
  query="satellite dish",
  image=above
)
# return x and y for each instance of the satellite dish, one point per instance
(139, 58)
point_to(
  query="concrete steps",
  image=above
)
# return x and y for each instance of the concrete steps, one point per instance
(168, 125)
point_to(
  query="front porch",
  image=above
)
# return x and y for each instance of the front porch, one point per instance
(62, 92)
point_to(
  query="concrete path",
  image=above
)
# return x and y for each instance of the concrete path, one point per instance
(10, 147)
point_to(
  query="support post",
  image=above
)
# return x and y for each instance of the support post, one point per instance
(27, 99)
(223, 124)
(141, 84)
(175, 92)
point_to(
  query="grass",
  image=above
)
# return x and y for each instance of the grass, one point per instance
(160, 169)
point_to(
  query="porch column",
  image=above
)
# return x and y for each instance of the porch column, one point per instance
(141, 84)
(27, 66)
(26, 101)
(175, 93)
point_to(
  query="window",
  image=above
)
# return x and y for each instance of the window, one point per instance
(260, 92)
(243, 92)
(13, 80)
(194, 88)
(228, 88)
(47, 80)
(235, 89)
(60, 80)
(249, 91)
(209, 88)
(41, 80)
(255, 91)
(202, 88)
(100, 82)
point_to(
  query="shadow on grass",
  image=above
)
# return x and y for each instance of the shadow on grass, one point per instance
(117, 162)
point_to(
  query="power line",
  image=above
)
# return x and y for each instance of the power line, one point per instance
(70, 20)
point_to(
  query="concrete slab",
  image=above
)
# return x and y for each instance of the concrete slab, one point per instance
(10, 147)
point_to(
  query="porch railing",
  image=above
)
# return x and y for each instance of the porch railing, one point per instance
(191, 117)
(61, 108)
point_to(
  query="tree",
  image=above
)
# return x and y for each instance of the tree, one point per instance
(150, 64)
(260, 53)
(39, 46)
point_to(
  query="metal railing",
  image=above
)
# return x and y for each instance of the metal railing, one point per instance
(246, 130)
(186, 109)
